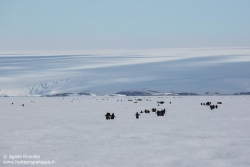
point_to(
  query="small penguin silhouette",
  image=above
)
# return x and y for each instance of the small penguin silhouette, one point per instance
(137, 115)
(112, 116)
(107, 116)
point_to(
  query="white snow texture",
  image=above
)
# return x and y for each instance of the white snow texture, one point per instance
(74, 132)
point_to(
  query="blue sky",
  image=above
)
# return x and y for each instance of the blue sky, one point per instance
(123, 24)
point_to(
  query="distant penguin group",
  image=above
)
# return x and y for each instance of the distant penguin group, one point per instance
(158, 112)
(210, 105)
(110, 116)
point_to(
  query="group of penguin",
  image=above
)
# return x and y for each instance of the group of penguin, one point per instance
(158, 112)
(137, 115)
(210, 105)
(23, 104)
(110, 116)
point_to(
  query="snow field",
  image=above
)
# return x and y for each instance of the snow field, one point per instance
(74, 132)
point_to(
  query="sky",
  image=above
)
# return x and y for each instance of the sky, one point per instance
(125, 24)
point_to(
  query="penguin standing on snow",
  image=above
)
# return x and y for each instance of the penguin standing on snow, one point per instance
(112, 116)
(107, 116)
(137, 115)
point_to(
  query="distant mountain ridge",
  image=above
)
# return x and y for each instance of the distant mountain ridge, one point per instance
(242, 93)
(134, 93)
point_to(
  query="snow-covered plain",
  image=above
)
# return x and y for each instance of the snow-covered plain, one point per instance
(73, 131)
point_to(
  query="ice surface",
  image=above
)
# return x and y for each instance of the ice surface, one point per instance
(73, 131)
(224, 70)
